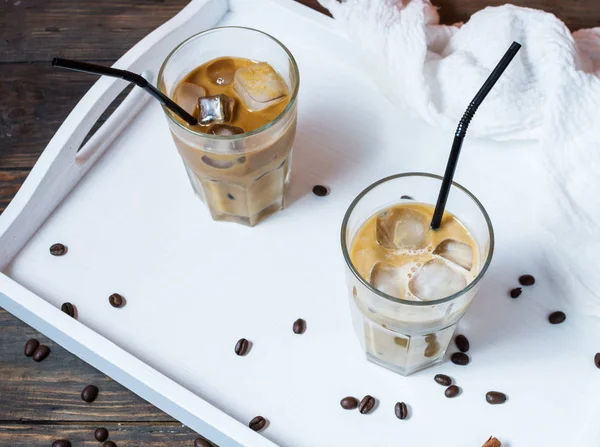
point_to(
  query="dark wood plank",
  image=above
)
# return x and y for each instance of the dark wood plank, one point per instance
(10, 182)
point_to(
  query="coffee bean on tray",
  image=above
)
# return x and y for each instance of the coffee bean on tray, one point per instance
(462, 343)
(258, 423)
(443, 379)
(30, 347)
(597, 360)
(349, 403)
(41, 352)
(557, 317)
(526, 280)
(201, 442)
(89, 393)
(101, 434)
(366, 404)
(116, 300)
(495, 397)
(242, 346)
(452, 391)
(58, 250)
(69, 309)
(516, 292)
(109, 444)
(401, 410)
(320, 190)
(61, 443)
(460, 358)
(299, 326)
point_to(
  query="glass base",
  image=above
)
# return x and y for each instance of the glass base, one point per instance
(248, 221)
(403, 370)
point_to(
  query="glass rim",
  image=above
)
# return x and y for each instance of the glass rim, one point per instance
(384, 295)
(271, 123)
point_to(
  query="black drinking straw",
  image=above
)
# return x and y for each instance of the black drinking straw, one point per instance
(128, 76)
(461, 132)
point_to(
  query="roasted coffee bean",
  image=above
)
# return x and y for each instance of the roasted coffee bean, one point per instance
(58, 250)
(89, 393)
(109, 444)
(320, 190)
(201, 442)
(299, 326)
(597, 360)
(30, 347)
(452, 391)
(61, 443)
(366, 404)
(462, 343)
(460, 358)
(443, 379)
(526, 280)
(406, 198)
(495, 397)
(401, 410)
(258, 423)
(516, 292)
(69, 309)
(101, 434)
(116, 300)
(492, 442)
(242, 346)
(41, 352)
(349, 403)
(557, 317)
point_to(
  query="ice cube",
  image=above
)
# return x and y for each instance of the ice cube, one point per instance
(402, 228)
(259, 86)
(187, 95)
(221, 71)
(225, 130)
(217, 163)
(215, 109)
(435, 280)
(388, 279)
(457, 252)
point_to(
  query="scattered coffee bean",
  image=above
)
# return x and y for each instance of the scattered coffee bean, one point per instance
(258, 423)
(366, 404)
(349, 403)
(299, 326)
(492, 442)
(69, 309)
(89, 393)
(460, 358)
(495, 397)
(242, 347)
(101, 434)
(58, 250)
(443, 379)
(41, 352)
(109, 444)
(516, 292)
(116, 300)
(526, 280)
(401, 410)
(462, 343)
(452, 391)
(320, 190)
(201, 442)
(597, 360)
(406, 198)
(557, 317)
(30, 347)
(61, 443)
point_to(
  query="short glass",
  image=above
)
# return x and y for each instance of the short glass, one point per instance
(241, 178)
(402, 335)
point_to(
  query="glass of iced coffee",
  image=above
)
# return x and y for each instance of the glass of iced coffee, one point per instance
(409, 285)
(241, 84)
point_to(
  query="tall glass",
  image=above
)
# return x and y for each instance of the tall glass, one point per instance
(241, 178)
(404, 335)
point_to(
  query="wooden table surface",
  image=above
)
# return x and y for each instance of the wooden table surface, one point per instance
(39, 402)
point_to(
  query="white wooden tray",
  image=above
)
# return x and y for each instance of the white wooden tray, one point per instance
(194, 287)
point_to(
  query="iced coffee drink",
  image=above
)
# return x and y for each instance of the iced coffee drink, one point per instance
(238, 156)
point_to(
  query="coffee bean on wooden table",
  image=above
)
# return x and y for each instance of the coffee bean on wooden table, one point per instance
(109, 444)
(69, 309)
(201, 442)
(443, 379)
(61, 443)
(495, 397)
(58, 250)
(366, 404)
(116, 300)
(41, 352)
(349, 403)
(258, 423)
(452, 391)
(597, 360)
(526, 280)
(516, 292)
(460, 358)
(401, 410)
(299, 326)
(557, 317)
(320, 190)
(30, 347)
(462, 343)
(89, 393)
(101, 434)
(242, 346)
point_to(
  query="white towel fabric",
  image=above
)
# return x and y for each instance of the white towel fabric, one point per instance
(550, 93)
